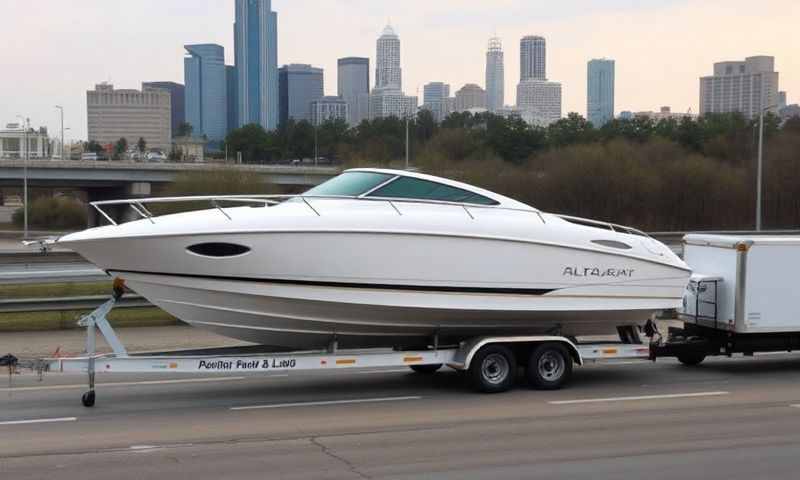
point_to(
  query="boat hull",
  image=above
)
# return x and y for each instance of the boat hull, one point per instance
(311, 316)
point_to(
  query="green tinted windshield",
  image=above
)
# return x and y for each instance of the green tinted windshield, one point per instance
(408, 187)
(350, 184)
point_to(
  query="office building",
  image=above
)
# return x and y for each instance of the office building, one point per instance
(470, 97)
(232, 95)
(781, 100)
(664, 113)
(328, 108)
(177, 101)
(130, 114)
(495, 76)
(539, 101)
(747, 87)
(352, 81)
(436, 98)
(532, 58)
(12, 142)
(391, 103)
(298, 86)
(206, 91)
(434, 92)
(256, 62)
(388, 74)
(600, 91)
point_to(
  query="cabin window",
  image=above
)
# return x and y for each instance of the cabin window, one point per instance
(415, 188)
(613, 244)
(218, 249)
(349, 184)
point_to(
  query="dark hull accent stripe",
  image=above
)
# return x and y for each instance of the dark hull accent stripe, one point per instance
(374, 286)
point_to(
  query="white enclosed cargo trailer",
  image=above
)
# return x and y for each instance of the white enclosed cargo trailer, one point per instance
(742, 298)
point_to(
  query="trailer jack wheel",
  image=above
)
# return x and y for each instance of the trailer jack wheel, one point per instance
(691, 359)
(87, 399)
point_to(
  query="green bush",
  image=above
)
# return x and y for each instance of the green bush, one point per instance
(57, 213)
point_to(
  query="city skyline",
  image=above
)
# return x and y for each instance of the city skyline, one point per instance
(448, 46)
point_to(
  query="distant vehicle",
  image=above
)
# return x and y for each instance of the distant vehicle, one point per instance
(89, 156)
(156, 157)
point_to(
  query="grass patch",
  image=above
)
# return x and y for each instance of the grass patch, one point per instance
(64, 320)
(45, 290)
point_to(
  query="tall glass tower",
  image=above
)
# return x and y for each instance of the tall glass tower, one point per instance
(206, 90)
(388, 74)
(256, 45)
(600, 91)
(495, 75)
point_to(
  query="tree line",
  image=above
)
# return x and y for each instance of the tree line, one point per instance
(666, 175)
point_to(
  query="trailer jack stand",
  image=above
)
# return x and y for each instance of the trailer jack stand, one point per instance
(98, 319)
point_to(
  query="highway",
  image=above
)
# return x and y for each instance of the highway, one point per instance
(728, 419)
(50, 273)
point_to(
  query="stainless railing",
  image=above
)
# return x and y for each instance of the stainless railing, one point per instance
(138, 205)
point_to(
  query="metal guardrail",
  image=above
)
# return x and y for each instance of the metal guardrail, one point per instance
(88, 302)
(24, 258)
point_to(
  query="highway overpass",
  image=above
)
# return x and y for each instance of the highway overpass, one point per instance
(87, 174)
(103, 180)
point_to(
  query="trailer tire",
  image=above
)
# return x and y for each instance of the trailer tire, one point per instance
(549, 366)
(493, 369)
(691, 359)
(426, 369)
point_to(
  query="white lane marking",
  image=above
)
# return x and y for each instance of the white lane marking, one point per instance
(144, 382)
(329, 402)
(39, 420)
(384, 371)
(639, 397)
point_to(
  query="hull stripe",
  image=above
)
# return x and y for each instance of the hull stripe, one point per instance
(374, 286)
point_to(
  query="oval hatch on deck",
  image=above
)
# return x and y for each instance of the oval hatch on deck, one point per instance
(613, 244)
(218, 249)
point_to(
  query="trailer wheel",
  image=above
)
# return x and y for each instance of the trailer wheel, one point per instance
(426, 369)
(549, 366)
(691, 359)
(493, 369)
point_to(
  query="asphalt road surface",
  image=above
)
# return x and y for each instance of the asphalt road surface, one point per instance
(728, 419)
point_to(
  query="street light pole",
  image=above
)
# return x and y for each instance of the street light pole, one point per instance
(62, 130)
(26, 123)
(760, 166)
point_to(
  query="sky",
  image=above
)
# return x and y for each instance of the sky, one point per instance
(53, 53)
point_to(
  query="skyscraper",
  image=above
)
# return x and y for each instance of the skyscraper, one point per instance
(600, 91)
(388, 74)
(532, 58)
(353, 86)
(746, 87)
(177, 101)
(298, 86)
(232, 87)
(206, 90)
(495, 76)
(256, 46)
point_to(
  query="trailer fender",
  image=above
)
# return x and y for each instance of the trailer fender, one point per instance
(467, 349)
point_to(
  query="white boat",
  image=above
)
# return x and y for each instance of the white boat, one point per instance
(377, 257)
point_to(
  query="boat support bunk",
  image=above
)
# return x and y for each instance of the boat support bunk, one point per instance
(490, 362)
